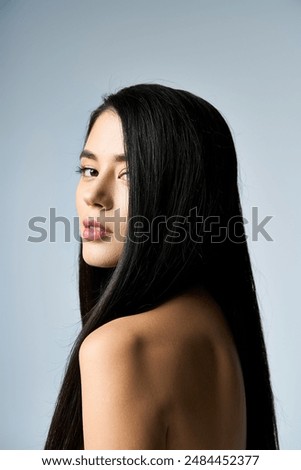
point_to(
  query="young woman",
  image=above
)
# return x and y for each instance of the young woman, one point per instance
(171, 354)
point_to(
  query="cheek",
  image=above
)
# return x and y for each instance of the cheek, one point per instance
(78, 199)
(124, 204)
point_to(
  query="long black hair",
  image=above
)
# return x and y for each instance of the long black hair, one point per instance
(182, 168)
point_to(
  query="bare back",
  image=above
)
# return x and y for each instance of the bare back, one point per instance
(192, 363)
(169, 378)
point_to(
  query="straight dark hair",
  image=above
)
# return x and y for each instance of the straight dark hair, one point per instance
(182, 166)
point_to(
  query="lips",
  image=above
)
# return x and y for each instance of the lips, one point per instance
(90, 222)
(94, 230)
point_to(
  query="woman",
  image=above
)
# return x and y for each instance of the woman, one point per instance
(171, 354)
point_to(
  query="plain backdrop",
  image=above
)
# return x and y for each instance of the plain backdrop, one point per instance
(57, 59)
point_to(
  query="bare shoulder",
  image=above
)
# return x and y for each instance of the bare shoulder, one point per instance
(114, 353)
(157, 374)
(110, 340)
(118, 406)
(166, 329)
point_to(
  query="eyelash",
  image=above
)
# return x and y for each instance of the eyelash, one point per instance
(81, 170)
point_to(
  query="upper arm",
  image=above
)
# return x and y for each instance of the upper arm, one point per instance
(118, 405)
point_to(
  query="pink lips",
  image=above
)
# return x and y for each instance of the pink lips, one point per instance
(93, 230)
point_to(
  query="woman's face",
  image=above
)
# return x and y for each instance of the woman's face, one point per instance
(102, 192)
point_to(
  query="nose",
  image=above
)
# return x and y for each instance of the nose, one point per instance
(98, 194)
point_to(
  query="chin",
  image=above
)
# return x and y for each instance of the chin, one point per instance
(100, 260)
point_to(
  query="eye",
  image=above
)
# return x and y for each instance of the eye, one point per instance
(83, 170)
(125, 174)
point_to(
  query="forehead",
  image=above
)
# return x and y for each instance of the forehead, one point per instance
(106, 136)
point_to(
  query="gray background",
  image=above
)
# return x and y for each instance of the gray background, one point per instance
(57, 59)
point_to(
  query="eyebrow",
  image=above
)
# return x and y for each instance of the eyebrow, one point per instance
(87, 154)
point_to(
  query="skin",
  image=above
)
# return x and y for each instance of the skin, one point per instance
(169, 378)
(102, 192)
